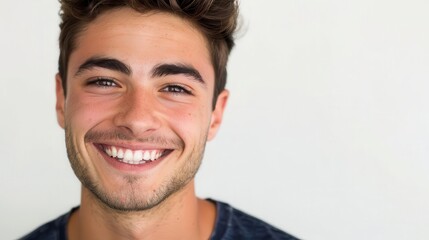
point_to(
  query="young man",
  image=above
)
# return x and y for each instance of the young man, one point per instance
(140, 90)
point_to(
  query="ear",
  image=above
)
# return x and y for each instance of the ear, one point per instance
(59, 106)
(217, 114)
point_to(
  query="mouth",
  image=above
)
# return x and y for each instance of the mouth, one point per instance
(134, 157)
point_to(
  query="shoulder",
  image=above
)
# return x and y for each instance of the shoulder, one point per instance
(53, 230)
(234, 224)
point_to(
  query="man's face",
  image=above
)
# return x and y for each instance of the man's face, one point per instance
(138, 110)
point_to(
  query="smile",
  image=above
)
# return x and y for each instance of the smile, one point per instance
(133, 156)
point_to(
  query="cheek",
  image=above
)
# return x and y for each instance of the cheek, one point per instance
(189, 122)
(82, 113)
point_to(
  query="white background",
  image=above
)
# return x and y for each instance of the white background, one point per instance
(326, 133)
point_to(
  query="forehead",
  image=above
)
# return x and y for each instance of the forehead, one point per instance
(142, 40)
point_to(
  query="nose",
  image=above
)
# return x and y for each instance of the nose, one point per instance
(138, 113)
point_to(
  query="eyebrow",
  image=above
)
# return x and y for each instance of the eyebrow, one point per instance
(176, 69)
(104, 62)
(158, 71)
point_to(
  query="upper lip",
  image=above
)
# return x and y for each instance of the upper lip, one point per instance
(135, 146)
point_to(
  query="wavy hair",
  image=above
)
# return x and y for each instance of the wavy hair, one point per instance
(216, 19)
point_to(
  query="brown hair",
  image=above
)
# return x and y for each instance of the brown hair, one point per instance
(217, 20)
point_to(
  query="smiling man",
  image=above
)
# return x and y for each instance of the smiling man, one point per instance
(140, 90)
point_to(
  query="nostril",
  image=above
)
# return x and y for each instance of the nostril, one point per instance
(137, 123)
(138, 111)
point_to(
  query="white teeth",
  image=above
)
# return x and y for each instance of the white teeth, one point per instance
(120, 153)
(108, 151)
(133, 157)
(128, 155)
(146, 156)
(114, 152)
(138, 155)
(153, 155)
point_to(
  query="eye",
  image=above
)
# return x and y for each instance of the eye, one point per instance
(102, 82)
(176, 89)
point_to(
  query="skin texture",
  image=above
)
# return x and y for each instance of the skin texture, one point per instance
(139, 110)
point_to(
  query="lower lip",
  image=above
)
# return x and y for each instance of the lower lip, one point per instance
(126, 167)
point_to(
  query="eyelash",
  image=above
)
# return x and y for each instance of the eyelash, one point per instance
(108, 83)
(176, 89)
(103, 82)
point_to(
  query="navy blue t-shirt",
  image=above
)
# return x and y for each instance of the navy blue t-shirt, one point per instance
(231, 224)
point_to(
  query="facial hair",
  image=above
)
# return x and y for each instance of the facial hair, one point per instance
(133, 198)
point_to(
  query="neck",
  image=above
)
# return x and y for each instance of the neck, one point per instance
(180, 216)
